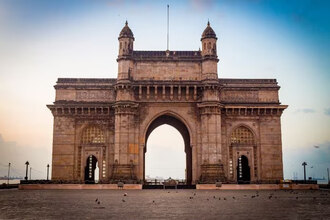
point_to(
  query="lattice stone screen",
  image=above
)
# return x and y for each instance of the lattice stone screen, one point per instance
(242, 135)
(93, 135)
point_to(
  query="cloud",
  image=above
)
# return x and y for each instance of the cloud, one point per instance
(202, 5)
(305, 110)
(327, 111)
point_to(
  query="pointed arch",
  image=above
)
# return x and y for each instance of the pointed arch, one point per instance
(177, 122)
(170, 114)
(243, 150)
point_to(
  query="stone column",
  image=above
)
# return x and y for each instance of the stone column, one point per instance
(210, 119)
(211, 164)
(126, 141)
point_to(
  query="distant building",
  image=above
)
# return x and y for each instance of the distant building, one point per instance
(231, 127)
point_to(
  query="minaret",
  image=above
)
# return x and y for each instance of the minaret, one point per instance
(126, 40)
(209, 54)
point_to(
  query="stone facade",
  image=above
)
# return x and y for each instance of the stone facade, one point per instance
(231, 127)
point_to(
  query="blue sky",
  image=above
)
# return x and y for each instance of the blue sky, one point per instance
(43, 40)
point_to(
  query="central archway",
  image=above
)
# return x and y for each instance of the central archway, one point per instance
(182, 128)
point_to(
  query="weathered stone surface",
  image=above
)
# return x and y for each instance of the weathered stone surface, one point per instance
(222, 121)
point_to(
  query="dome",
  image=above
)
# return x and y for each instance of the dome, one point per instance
(208, 32)
(126, 32)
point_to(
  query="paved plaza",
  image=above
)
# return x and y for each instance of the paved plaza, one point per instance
(164, 204)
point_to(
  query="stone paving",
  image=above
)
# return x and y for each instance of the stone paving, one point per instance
(164, 204)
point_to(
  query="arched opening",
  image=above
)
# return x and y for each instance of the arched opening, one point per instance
(91, 169)
(243, 155)
(165, 157)
(243, 170)
(182, 129)
(97, 173)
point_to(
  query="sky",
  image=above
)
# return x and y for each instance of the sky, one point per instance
(41, 41)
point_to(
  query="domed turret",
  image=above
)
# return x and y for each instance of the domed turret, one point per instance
(126, 39)
(209, 42)
(209, 54)
(126, 32)
(208, 32)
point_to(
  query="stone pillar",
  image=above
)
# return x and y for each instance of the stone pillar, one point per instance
(211, 134)
(210, 118)
(126, 142)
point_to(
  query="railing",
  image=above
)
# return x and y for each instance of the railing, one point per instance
(163, 182)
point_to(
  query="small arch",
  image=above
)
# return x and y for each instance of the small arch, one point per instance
(204, 47)
(121, 45)
(91, 169)
(214, 50)
(209, 45)
(92, 135)
(243, 170)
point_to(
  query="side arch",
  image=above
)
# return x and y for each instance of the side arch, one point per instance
(243, 142)
(95, 143)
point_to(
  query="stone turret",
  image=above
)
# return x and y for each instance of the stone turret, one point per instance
(126, 40)
(209, 42)
(209, 54)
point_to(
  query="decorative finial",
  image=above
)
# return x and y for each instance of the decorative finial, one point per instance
(126, 23)
(208, 22)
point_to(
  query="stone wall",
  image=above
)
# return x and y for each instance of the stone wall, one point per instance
(167, 70)
(271, 148)
(63, 148)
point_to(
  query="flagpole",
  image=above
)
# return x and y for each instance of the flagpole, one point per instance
(168, 21)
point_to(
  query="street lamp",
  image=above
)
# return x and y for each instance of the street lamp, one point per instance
(8, 173)
(47, 170)
(27, 166)
(304, 164)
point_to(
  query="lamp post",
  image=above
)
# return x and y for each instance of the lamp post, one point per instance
(30, 173)
(47, 170)
(27, 167)
(8, 173)
(304, 164)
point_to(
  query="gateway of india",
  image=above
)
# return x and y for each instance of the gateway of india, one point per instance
(231, 127)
